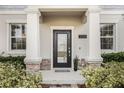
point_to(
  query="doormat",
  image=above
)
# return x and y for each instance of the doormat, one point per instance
(62, 70)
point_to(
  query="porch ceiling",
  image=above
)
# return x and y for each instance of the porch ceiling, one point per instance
(64, 13)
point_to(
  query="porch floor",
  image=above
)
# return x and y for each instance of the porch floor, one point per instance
(52, 77)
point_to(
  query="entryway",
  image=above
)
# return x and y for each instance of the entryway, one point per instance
(62, 48)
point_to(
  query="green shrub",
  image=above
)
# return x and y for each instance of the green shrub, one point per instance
(111, 75)
(19, 60)
(118, 57)
(12, 76)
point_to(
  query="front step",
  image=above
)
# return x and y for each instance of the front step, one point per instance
(63, 85)
(62, 79)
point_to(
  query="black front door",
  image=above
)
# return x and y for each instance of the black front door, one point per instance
(61, 48)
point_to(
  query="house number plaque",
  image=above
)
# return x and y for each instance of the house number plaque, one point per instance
(82, 36)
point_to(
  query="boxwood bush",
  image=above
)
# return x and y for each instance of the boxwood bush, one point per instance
(12, 76)
(18, 60)
(110, 75)
(118, 57)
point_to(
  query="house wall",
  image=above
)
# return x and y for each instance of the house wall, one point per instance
(120, 34)
(80, 45)
(3, 30)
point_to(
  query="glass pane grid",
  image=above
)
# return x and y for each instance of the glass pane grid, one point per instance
(18, 36)
(107, 36)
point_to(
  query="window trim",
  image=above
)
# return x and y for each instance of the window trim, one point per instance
(114, 38)
(15, 37)
(9, 50)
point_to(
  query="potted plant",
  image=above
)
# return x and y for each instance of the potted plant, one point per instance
(75, 63)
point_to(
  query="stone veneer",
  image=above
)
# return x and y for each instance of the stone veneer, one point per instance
(81, 63)
(45, 64)
(33, 67)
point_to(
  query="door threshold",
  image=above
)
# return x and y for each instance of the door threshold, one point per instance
(62, 69)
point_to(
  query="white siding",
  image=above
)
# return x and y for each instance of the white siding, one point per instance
(120, 35)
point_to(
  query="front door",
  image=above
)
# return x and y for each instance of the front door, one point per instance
(61, 48)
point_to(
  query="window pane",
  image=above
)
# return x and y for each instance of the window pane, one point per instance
(106, 30)
(23, 30)
(13, 44)
(104, 27)
(106, 43)
(18, 43)
(12, 30)
(110, 33)
(18, 40)
(111, 27)
(18, 33)
(19, 46)
(16, 30)
(23, 43)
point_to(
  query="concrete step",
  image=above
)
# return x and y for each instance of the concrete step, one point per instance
(62, 79)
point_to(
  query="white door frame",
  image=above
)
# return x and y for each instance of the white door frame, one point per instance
(72, 48)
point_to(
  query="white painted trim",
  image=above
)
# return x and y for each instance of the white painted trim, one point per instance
(112, 19)
(48, 8)
(12, 12)
(72, 40)
(8, 38)
(16, 21)
(112, 12)
(9, 51)
(115, 38)
(109, 20)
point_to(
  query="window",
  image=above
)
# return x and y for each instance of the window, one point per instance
(18, 36)
(107, 36)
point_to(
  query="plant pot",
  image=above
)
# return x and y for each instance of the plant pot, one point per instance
(76, 64)
(75, 69)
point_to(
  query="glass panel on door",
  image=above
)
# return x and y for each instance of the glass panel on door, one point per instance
(62, 48)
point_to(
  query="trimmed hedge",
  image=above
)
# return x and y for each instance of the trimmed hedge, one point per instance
(108, 57)
(12, 76)
(111, 75)
(19, 60)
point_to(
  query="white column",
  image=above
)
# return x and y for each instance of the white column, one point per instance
(94, 55)
(33, 38)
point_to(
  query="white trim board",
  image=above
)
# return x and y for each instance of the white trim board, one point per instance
(112, 12)
(62, 28)
(12, 12)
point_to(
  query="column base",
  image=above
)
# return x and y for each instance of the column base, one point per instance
(94, 62)
(32, 65)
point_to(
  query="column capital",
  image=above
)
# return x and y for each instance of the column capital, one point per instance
(32, 11)
(94, 9)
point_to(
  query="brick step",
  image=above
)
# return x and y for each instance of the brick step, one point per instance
(63, 86)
